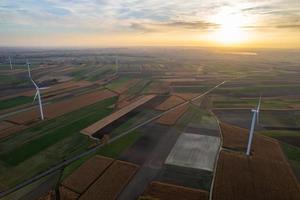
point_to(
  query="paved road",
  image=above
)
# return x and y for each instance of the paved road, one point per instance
(67, 162)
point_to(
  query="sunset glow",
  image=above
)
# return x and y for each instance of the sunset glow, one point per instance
(150, 22)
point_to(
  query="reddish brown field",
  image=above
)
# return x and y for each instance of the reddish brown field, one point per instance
(164, 191)
(7, 128)
(239, 177)
(87, 173)
(60, 108)
(171, 117)
(112, 182)
(66, 194)
(264, 175)
(169, 103)
(263, 147)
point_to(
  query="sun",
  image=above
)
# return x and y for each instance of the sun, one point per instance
(230, 31)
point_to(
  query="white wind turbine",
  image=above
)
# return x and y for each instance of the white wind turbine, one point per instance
(255, 118)
(11, 67)
(38, 91)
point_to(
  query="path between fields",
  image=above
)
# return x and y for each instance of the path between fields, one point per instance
(67, 162)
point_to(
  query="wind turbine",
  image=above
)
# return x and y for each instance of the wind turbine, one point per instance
(11, 67)
(255, 117)
(38, 91)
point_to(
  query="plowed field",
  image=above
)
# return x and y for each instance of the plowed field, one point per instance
(111, 183)
(84, 176)
(164, 191)
(171, 117)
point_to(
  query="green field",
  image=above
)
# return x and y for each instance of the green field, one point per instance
(16, 101)
(118, 83)
(201, 117)
(230, 102)
(48, 134)
(48, 143)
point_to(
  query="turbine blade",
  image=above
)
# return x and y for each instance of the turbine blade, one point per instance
(36, 94)
(44, 88)
(258, 110)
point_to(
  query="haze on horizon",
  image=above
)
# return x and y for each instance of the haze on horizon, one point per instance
(99, 23)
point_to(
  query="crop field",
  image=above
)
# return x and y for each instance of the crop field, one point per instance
(186, 177)
(158, 87)
(111, 183)
(238, 175)
(169, 103)
(60, 108)
(267, 103)
(171, 157)
(87, 173)
(94, 128)
(171, 117)
(164, 191)
(16, 101)
(67, 194)
(121, 85)
(194, 151)
(186, 96)
(51, 140)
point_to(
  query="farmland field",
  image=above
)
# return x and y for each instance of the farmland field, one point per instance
(16, 101)
(171, 117)
(54, 140)
(138, 151)
(165, 191)
(110, 184)
(194, 151)
(83, 177)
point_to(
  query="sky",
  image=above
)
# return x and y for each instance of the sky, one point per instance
(102, 23)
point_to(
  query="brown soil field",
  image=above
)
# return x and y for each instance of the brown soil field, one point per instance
(7, 128)
(87, 173)
(169, 103)
(60, 108)
(241, 177)
(112, 182)
(263, 147)
(66, 194)
(171, 117)
(92, 129)
(186, 96)
(165, 191)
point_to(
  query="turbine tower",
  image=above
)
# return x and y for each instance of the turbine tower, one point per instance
(255, 117)
(38, 91)
(11, 67)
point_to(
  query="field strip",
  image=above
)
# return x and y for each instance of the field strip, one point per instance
(92, 129)
(67, 162)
